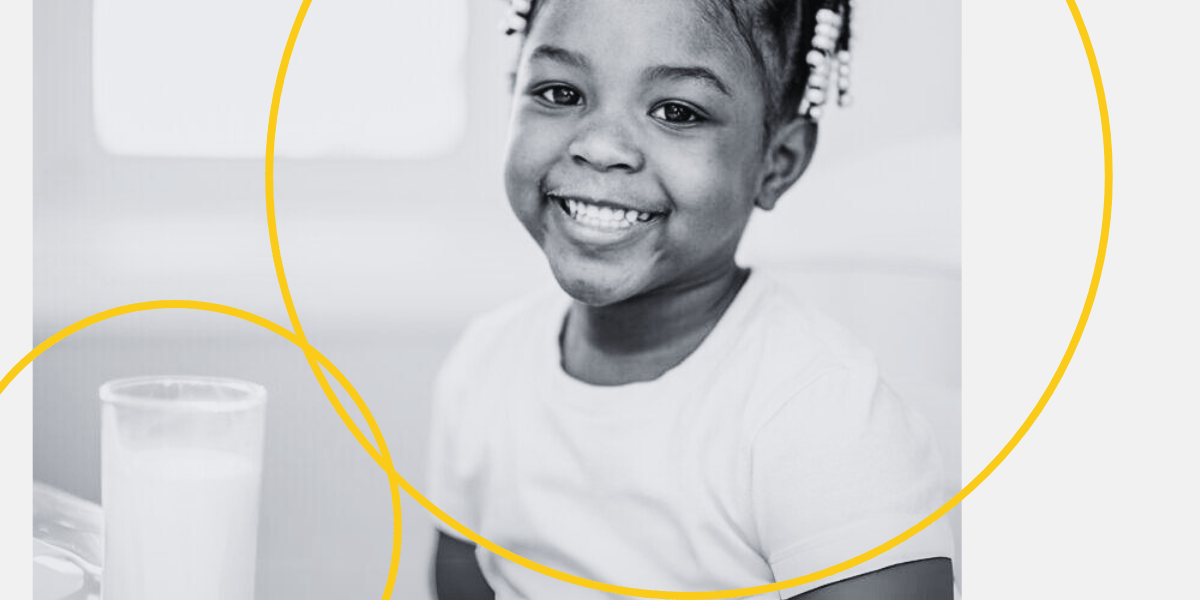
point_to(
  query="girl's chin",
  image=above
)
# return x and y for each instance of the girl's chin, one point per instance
(594, 289)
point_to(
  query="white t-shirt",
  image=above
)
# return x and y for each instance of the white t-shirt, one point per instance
(771, 452)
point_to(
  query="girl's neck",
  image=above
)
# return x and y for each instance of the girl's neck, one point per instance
(642, 338)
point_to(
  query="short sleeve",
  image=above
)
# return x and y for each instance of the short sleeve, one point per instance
(840, 468)
(449, 472)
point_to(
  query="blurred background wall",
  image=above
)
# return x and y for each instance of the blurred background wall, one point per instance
(391, 247)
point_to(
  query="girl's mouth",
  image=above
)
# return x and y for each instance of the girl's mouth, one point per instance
(601, 214)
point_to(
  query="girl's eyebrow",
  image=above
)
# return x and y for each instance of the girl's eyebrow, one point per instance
(702, 74)
(560, 55)
(659, 72)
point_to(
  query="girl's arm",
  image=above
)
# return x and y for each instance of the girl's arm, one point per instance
(456, 573)
(930, 579)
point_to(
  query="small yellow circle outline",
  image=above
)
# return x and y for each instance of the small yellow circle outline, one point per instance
(382, 457)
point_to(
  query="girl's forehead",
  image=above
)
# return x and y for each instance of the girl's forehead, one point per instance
(651, 30)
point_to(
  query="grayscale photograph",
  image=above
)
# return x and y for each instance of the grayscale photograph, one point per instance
(496, 299)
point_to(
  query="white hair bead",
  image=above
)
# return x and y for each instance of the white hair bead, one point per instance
(817, 80)
(816, 57)
(844, 70)
(814, 95)
(522, 7)
(514, 24)
(827, 30)
(814, 113)
(845, 100)
(826, 16)
(843, 83)
(823, 42)
(843, 56)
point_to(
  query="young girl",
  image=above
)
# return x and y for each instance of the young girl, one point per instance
(674, 421)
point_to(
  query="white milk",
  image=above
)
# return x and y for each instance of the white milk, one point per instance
(180, 524)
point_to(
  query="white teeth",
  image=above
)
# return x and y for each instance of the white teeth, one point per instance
(603, 216)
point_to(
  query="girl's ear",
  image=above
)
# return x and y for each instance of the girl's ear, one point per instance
(787, 156)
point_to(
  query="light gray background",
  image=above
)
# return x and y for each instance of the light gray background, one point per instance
(388, 259)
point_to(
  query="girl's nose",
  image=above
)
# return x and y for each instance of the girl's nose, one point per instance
(606, 144)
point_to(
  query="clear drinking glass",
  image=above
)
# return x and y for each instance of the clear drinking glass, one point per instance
(181, 471)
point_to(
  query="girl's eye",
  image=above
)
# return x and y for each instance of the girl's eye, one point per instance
(560, 95)
(676, 113)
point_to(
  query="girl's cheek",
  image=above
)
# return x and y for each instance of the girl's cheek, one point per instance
(522, 142)
(537, 147)
(523, 161)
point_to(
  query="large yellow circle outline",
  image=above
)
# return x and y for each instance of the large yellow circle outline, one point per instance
(382, 457)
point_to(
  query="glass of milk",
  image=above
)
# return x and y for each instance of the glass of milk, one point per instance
(181, 470)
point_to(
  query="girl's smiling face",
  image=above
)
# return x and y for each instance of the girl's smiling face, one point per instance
(636, 149)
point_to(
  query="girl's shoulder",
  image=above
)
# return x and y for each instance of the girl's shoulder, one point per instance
(793, 337)
(783, 352)
(518, 318)
(518, 328)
